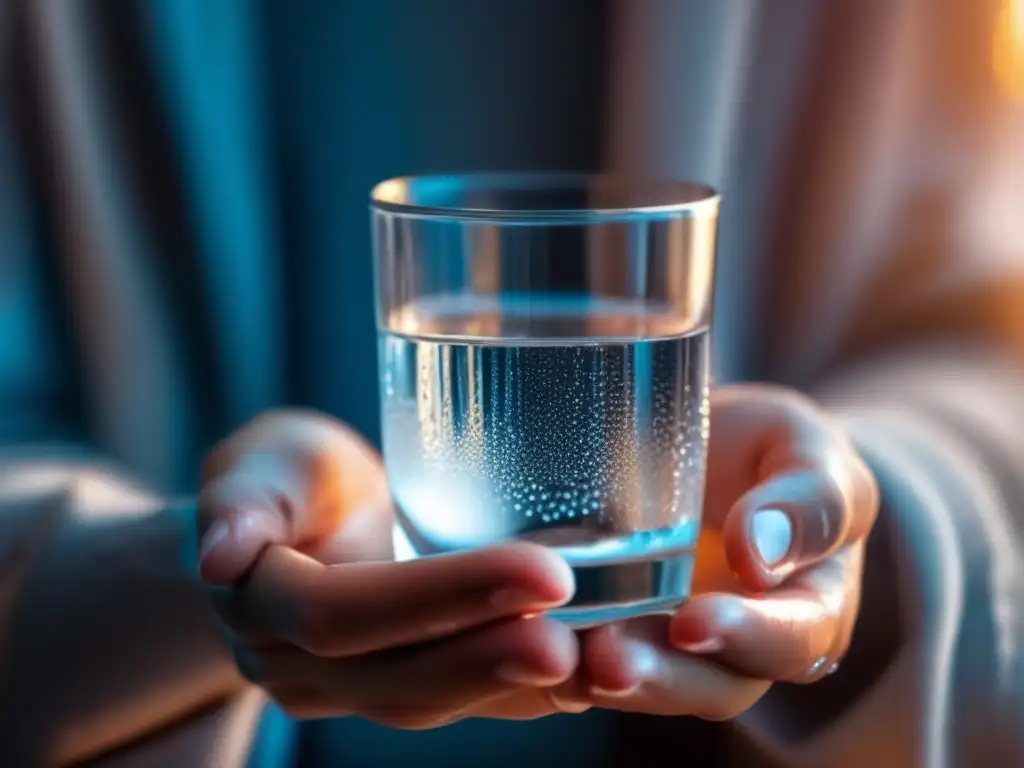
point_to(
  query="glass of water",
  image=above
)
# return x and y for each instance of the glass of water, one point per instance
(544, 373)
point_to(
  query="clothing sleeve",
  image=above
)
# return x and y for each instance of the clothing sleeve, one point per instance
(105, 633)
(893, 290)
(935, 675)
(920, 352)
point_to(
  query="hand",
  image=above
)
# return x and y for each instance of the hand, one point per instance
(777, 588)
(769, 595)
(295, 541)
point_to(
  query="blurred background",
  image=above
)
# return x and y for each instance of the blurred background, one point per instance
(253, 130)
(184, 234)
(183, 184)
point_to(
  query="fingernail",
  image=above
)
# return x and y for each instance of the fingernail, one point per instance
(565, 577)
(711, 645)
(521, 598)
(531, 678)
(772, 534)
(567, 705)
(214, 536)
(694, 634)
(513, 599)
(620, 693)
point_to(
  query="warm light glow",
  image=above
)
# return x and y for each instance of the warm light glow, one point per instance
(1008, 48)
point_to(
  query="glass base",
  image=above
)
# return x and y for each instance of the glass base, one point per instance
(612, 590)
(619, 591)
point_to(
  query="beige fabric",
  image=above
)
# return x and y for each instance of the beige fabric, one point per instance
(880, 205)
(220, 737)
(125, 643)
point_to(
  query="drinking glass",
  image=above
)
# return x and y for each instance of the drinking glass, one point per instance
(544, 346)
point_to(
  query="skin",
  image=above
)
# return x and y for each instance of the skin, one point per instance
(295, 545)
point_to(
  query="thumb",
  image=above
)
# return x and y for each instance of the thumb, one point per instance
(291, 479)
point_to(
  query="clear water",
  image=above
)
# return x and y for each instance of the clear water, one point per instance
(582, 430)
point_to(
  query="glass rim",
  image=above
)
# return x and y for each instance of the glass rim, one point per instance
(449, 197)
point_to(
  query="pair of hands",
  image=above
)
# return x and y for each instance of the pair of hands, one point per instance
(295, 542)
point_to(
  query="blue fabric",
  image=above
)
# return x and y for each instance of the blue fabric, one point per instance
(215, 97)
(227, 149)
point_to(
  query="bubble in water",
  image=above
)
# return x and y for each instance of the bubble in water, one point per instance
(603, 438)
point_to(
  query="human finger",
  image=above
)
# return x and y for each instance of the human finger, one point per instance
(356, 608)
(785, 486)
(429, 684)
(794, 633)
(632, 668)
(289, 478)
